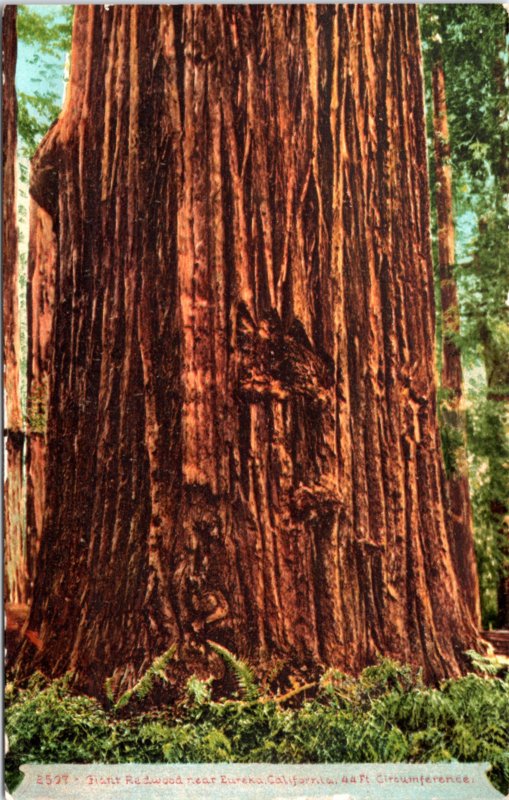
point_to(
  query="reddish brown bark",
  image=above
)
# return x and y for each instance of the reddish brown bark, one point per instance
(453, 411)
(242, 441)
(41, 278)
(14, 557)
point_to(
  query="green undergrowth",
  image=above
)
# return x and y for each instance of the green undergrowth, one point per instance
(387, 714)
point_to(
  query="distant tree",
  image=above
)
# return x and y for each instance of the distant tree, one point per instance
(475, 60)
(452, 409)
(15, 552)
(488, 319)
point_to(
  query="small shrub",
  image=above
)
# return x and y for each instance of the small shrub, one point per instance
(48, 724)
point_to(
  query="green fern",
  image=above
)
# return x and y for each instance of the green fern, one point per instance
(243, 673)
(198, 691)
(108, 690)
(483, 664)
(386, 714)
(144, 686)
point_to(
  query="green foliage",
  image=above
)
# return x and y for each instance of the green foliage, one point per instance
(485, 284)
(189, 744)
(387, 714)
(48, 724)
(50, 31)
(240, 669)
(146, 683)
(471, 42)
(473, 49)
(198, 691)
(36, 112)
(37, 416)
(485, 665)
(47, 33)
(452, 432)
(488, 426)
(452, 444)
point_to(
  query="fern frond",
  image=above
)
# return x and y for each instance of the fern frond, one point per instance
(198, 691)
(488, 665)
(144, 686)
(108, 690)
(243, 673)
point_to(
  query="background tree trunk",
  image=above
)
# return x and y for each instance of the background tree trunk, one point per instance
(42, 269)
(452, 409)
(15, 558)
(242, 440)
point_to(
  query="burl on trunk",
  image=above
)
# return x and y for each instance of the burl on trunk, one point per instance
(242, 441)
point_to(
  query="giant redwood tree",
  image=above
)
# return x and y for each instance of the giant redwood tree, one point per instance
(242, 441)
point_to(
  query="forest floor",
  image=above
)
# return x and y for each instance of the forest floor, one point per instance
(387, 714)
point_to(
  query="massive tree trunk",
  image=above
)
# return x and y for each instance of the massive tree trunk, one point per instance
(242, 441)
(452, 408)
(15, 561)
